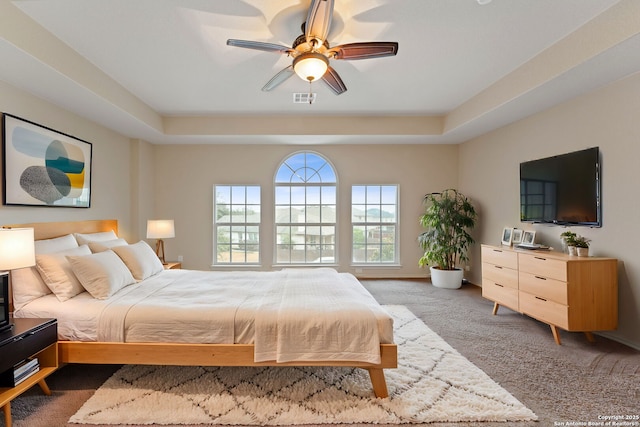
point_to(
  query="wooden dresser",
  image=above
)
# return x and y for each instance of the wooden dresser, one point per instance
(577, 294)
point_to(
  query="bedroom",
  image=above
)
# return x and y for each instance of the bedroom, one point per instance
(135, 180)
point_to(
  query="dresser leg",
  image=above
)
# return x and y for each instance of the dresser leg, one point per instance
(7, 414)
(590, 337)
(45, 388)
(556, 334)
(495, 308)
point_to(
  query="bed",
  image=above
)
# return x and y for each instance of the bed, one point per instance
(251, 319)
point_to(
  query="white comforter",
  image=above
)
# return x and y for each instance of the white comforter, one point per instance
(290, 315)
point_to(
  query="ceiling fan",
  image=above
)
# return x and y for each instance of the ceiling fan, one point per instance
(311, 51)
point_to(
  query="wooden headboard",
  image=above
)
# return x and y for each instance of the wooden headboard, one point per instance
(49, 230)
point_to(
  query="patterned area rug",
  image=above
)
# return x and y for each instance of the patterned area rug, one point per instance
(433, 383)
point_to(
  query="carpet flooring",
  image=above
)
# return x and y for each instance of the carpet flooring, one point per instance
(578, 382)
(433, 383)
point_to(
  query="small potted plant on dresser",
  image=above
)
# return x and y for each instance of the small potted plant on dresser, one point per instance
(568, 245)
(448, 218)
(582, 245)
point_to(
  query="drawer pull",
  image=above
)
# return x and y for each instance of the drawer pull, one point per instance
(540, 277)
(540, 258)
(498, 284)
(497, 250)
(498, 267)
(541, 299)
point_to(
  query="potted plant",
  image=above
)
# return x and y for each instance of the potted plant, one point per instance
(582, 245)
(567, 238)
(448, 218)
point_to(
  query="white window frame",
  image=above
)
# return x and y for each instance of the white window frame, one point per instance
(360, 220)
(308, 178)
(234, 221)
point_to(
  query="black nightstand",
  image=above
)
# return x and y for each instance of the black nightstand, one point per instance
(28, 338)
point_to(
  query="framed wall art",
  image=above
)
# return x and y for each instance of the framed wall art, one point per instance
(44, 167)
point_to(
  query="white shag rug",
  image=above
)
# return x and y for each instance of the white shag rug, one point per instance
(433, 383)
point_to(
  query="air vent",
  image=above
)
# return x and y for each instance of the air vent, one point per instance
(304, 98)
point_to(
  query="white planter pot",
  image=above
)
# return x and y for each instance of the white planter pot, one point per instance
(582, 251)
(448, 279)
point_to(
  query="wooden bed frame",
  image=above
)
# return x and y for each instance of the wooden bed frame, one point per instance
(182, 354)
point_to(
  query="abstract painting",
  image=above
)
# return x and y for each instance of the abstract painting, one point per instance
(44, 167)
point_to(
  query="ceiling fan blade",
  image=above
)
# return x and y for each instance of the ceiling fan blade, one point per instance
(267, 47)
(364, 50)
(279, 78)
(318, 20)
(333, 80)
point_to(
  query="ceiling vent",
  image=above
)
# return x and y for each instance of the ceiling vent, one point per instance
(304, 98)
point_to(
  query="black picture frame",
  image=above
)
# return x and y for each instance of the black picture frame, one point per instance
(44, 167)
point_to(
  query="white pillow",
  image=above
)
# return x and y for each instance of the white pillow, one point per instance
(102, 236)
(57, 273)
(107, 244)
(102, 274)
(27, 285)
(58, 244)
(140, 259)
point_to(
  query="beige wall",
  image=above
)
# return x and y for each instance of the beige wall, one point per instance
(608, 118)
(111, 164)
(185, 175)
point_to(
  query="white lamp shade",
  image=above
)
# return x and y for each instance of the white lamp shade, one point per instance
(160, 229)
(310, 66)
(17, 249)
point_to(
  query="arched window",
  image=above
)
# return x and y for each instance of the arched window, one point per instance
(305, 210)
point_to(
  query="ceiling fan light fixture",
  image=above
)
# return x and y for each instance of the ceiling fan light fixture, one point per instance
(310, 66)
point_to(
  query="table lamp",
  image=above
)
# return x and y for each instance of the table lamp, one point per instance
(160, 229)
(17, 250)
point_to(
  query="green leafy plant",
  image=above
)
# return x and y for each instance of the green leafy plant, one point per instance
(448, 218)
(568, 237)
(581, 242)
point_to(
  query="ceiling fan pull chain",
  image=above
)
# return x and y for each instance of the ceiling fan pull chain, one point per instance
(310, 94)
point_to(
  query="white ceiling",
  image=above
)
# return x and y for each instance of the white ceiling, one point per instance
(149, 60)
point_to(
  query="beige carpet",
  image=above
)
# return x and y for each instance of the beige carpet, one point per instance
(433, 383)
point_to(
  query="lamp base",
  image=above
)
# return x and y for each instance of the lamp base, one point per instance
(160, 250)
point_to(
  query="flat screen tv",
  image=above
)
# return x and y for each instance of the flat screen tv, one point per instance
(562, 189)
(4, 302)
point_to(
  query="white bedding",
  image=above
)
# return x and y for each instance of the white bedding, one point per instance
(290, 315)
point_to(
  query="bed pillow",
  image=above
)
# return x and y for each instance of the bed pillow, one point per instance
(57, 273)
(140, 259)
(57, 244)
(101, 274)
(27, 285)
(105, 245)
(84, 238)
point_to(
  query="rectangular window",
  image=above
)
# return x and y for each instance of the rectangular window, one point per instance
(305, 224)
(236, 224)
(374, 220)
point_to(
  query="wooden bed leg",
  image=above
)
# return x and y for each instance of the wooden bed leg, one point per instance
(496, 306)
(590, 337)
(378, 382)
(556, 334)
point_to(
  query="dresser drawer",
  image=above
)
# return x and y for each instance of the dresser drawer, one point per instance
(545, 310)
(500, 257)
(501, 294)
(543, 266)
(501, 275)
(544, 287)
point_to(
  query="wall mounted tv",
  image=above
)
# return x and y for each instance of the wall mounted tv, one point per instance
(563, 189)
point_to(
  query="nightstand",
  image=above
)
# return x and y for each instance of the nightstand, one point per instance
(28, 338)
(171, 265)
